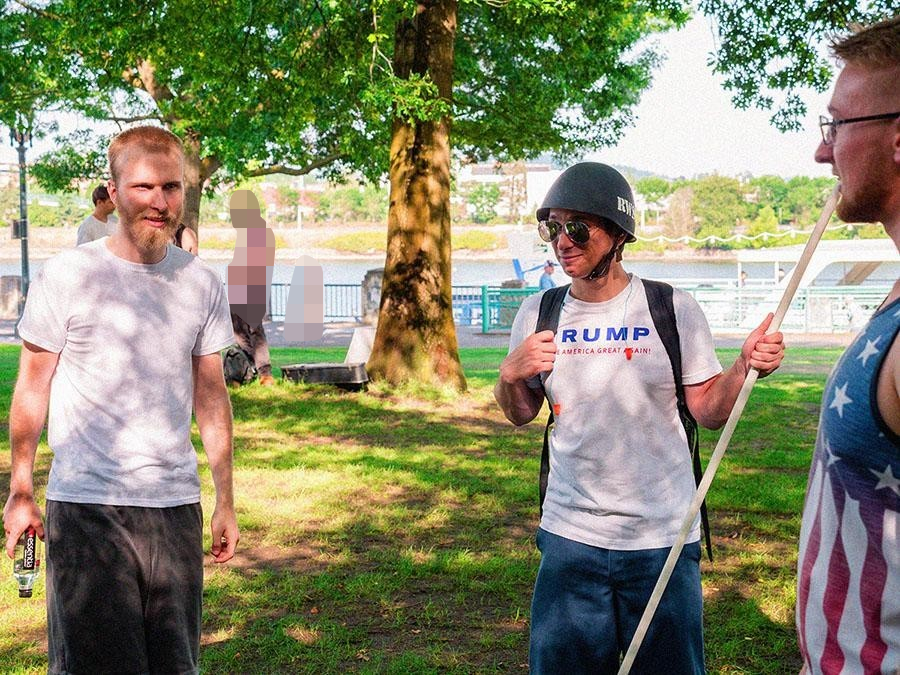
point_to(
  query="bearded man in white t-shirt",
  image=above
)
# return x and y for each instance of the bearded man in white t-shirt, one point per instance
(101, 223)
(620, 479)
(121, 339)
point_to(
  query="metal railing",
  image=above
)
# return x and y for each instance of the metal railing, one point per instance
(343, 302)
(728, 307)
(815, 309)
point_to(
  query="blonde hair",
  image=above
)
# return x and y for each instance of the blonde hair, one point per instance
(150, 139)
(876, 45)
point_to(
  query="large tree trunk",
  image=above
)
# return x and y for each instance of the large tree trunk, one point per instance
(196, 172)
(416, 337)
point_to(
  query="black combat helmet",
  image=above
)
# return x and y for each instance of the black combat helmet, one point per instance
(595, 189)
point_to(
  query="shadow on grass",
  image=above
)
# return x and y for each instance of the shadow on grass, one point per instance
(742, 638)
(416, 551)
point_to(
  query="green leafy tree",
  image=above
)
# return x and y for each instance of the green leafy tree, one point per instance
(765, 223)
(353, 203)
(9, 203)
(770, 191)
(769, 51)
(804, 198)
(653, 188)
(483, 198)
(718, 206)
(234, 81)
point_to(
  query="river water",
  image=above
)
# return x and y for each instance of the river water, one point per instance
(493, 272)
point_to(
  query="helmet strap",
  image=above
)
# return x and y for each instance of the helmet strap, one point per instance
(602, 268)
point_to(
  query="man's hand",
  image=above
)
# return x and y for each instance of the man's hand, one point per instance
(535, 355)
(225, 534)
(761, 351)
(20, 513)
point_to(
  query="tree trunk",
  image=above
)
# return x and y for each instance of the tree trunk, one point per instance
(416, 337)
(192, 183)
(197, 171)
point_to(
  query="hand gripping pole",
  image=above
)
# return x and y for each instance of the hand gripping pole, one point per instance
(725, 439)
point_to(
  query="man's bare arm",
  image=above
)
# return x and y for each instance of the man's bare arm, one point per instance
(212, 408)
(711, 402)
(27, 415)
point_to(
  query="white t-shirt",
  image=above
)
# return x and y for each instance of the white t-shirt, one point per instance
(620, 468)
(92, 229)
(121, 395)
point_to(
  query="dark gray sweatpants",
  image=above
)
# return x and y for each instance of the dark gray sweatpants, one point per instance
(124, 588)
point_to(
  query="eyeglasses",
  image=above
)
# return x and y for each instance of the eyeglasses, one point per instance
(577, 231)
(829, 126)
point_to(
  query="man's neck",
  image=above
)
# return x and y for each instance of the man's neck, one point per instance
(892, 228)
(603, 288)
(99, 215)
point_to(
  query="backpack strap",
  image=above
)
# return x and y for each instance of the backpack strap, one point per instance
(548, 319)
(662, 310)
(551, 306)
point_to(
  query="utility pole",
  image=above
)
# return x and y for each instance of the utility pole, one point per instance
(20, 138)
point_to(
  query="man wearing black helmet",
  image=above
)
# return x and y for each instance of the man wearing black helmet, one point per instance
(620, 478)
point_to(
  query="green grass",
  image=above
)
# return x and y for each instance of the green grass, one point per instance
(386, 533)
(364, 242)
(225, 241)
(477, 240)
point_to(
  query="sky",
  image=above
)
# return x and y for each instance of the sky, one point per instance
(685, 124)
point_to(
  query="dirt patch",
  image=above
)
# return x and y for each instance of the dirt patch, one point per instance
(301, 558)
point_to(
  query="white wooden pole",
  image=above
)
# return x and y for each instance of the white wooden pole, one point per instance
(725, 439)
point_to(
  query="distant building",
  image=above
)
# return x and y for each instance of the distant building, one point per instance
(522, 184)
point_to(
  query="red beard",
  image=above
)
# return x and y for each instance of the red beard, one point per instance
(150, 238)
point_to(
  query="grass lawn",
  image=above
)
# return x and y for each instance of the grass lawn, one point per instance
(394, 533)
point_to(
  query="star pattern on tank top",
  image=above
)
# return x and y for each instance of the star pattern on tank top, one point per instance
(840, 399)
(830, 457)
(869, 350)
(886, 479)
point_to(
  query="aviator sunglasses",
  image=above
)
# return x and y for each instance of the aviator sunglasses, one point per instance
(578, 231)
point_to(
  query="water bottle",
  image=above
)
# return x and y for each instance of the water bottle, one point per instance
(27, 562)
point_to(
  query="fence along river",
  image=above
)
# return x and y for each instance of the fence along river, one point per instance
(822, 307)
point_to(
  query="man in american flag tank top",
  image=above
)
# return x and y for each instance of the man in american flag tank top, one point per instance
(848, 586)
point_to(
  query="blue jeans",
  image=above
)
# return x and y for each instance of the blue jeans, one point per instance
(588, 602)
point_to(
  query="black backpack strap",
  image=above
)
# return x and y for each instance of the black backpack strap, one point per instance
(548, 319)
(551, 306)
(662, 309)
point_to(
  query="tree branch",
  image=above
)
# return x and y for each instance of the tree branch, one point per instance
(208, 166)
(37, 10)
(294, 171)
(138, 118)
(147, 73)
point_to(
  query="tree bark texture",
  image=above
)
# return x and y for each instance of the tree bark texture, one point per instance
(192, 184)
(416, 337)
(197, 171)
